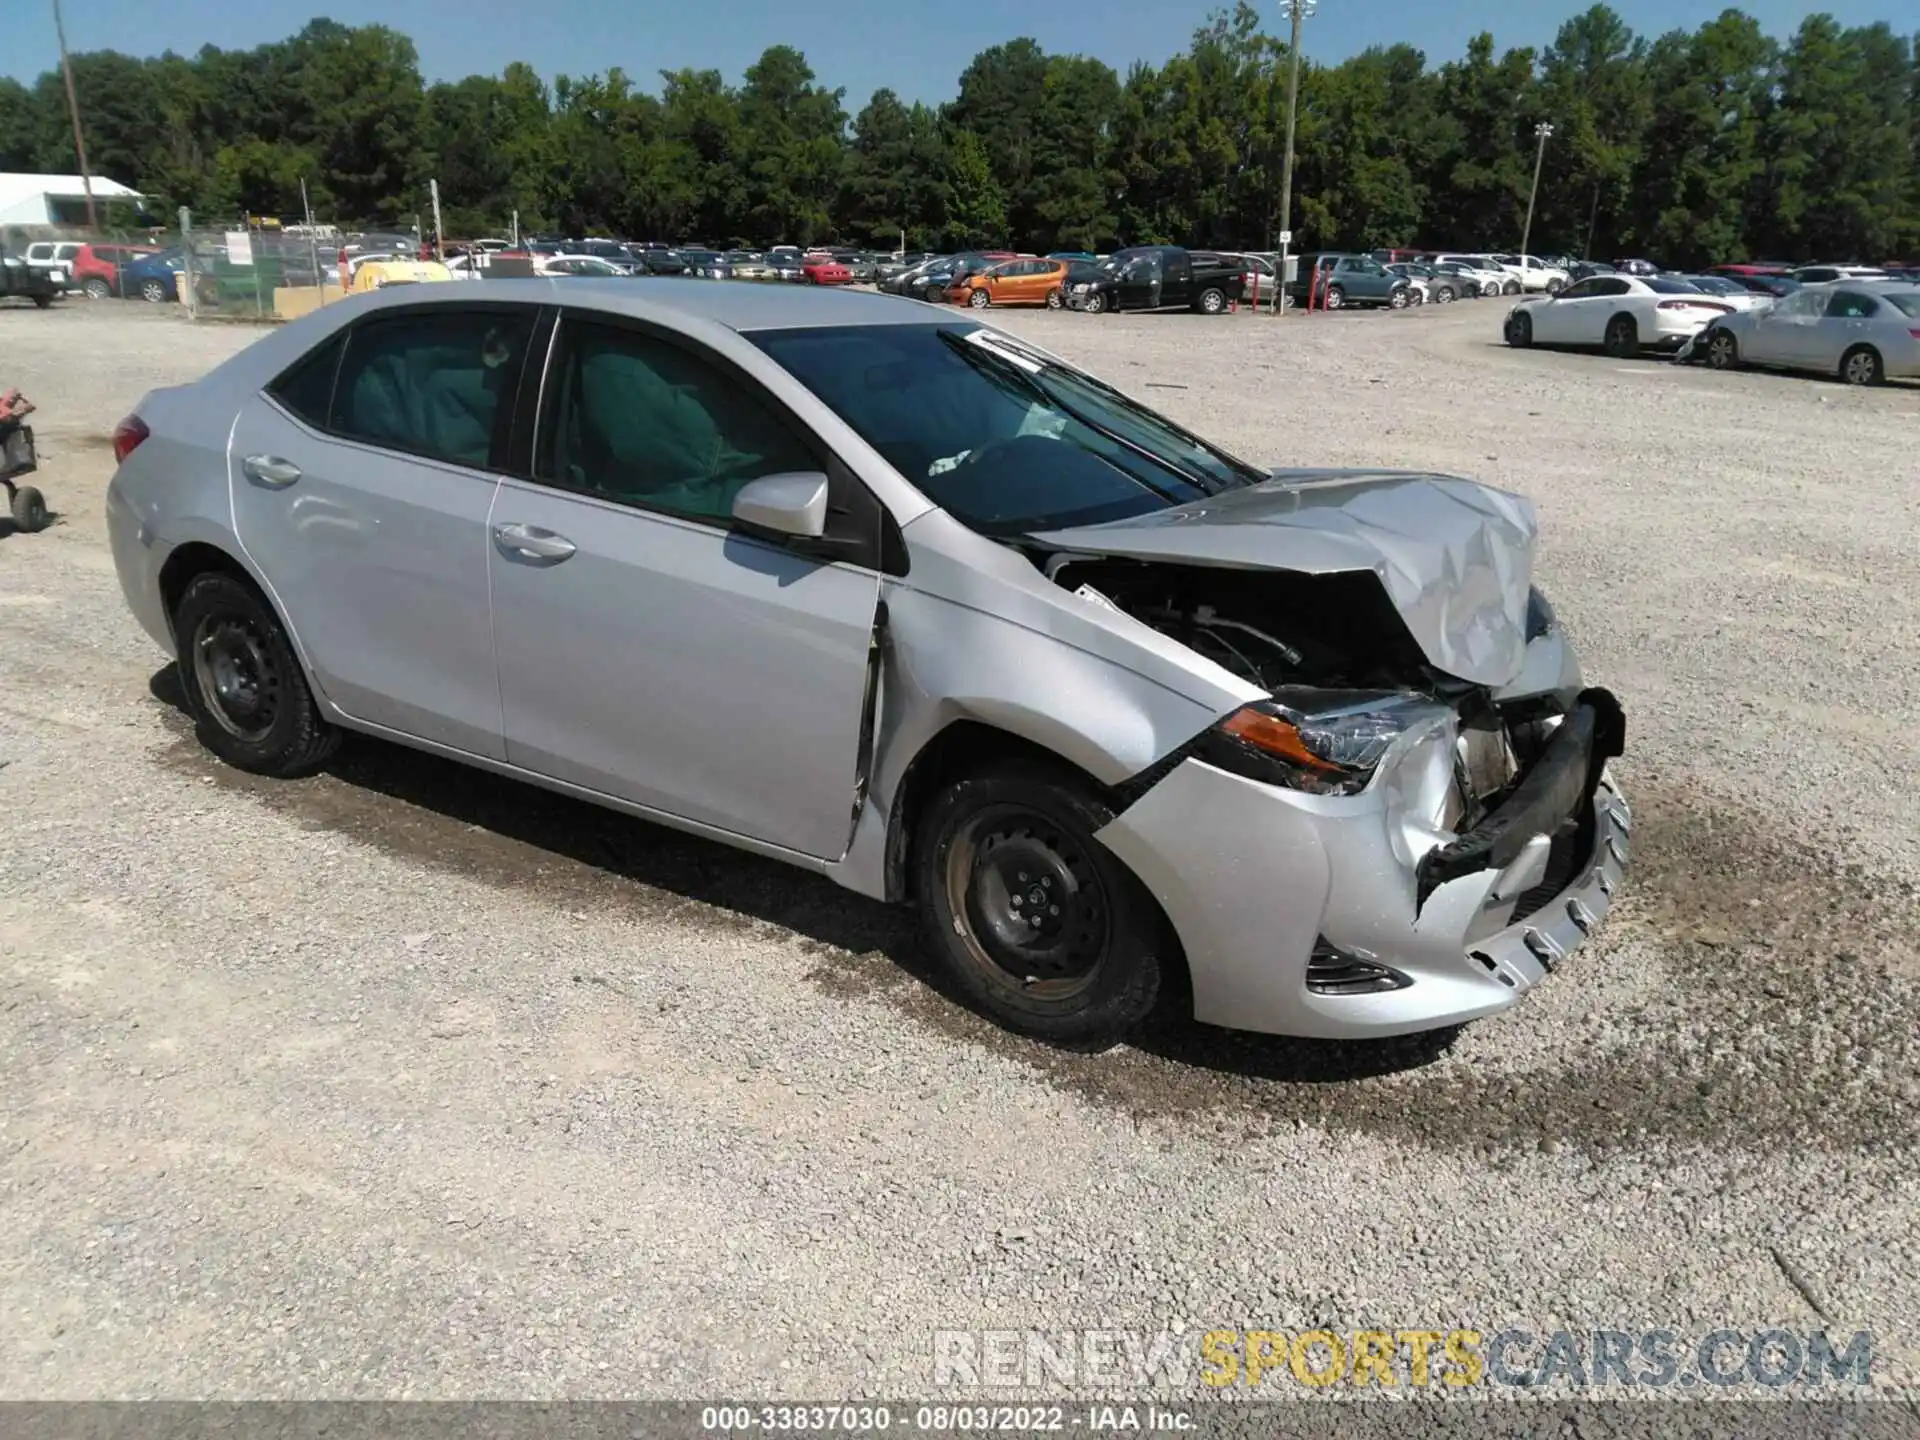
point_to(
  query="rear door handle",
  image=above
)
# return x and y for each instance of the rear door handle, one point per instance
(270, 471)
(533, 543)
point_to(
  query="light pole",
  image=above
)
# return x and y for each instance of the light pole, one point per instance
(73, 109)
(1295, 11)
(1540, 132)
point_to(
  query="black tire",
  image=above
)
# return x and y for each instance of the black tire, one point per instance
(1862, 366)
(1212, 301)
(1096, 302)
(1416, 297)
(1723, 351)
(1556, 285)
(42, 301)
(1520, 330)
(1512, 287)
(1090, 971)
(978, 299)
(94, 288)
(1335, 298)
(1056, 300)
(29, 509)
(1443, 296)
(153, 292)
(244, 686)
(1622, 338)
(1397, 299)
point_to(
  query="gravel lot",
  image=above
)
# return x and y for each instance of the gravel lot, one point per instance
(399, 1082)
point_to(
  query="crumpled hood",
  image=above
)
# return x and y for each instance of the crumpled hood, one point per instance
(1455, 556)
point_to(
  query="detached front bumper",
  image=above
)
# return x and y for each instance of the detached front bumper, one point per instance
(1351, 916)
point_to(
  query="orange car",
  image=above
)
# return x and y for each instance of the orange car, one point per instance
(1029, 281)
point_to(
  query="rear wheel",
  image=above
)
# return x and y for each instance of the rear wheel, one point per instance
(1056, 300)
(1336, 298)
(243, 683)
(1512, 287)
(1556, 285)
(1861, 366)
(96, 289)
(1443, 296)
(1398, 299)
(979, 299)
(1035, 921)
(153, 292)
(1520, 330)
(1723, 351)
(1212, 301)
(1622, 337)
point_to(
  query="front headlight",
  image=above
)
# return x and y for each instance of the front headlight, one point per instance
(1082, 288)
(1326, 742)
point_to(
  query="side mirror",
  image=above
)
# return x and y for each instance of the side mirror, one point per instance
(793, 504)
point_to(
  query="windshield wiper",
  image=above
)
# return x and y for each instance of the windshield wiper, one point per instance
(1007, 369)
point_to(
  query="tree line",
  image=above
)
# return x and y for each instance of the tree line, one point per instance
(1694, 146)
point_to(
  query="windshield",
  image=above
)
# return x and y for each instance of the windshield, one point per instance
(1002, 437)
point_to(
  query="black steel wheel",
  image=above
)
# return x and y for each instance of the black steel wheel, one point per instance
(29, 509)
(249, 698)
(1037, 923)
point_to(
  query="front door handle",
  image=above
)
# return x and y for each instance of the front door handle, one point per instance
(532, 543)
(270, 471)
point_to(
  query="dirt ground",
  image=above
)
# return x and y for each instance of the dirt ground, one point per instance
(405, 1082)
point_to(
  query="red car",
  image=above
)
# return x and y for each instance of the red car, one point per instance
(96, 268)
(825, 270)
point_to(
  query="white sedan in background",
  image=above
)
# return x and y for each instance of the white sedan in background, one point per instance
(1621, 314)
(1532, 274)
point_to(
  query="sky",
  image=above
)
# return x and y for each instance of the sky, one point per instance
(862, 45)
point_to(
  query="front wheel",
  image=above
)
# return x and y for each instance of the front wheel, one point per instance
(244, 686)
(979, 299)
(1096, 302)
(1520, 330)
(29, 509)
(1212, 301)
(1622, 338)
(1723, 351)
(1036, 922)
(1861, 366)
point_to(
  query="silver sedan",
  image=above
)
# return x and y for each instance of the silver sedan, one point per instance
(882, 592)
(1863, 332)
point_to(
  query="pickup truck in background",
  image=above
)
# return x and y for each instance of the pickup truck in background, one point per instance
(1162, 277)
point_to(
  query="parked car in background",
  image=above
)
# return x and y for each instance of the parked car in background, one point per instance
(1635, 266)
(825, 270)
(1621, 314)
(1534, 275)
(658, 260)
(1864, 334)
(1392, 256)
(930, 282)
(1747, 268)
(1825, 274)
(53, 258)
(154, 277)
(581, 265)
(749, 265)
(1442, 287)
(1770, 286)
(1338, 279)
(1731, 291)
(1162, 277)
(1122, 742)
(1487, 279)
(1013, 282)
(787, 265)
(1587, 269)
(95, 268)
(376, 272)
(21, 281)
(707, 264)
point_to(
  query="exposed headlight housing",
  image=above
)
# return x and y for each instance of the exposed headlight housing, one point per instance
(1540, 617)
(1326, 742)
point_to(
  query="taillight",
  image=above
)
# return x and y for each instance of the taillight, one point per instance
(127, 436)
(1696, 305)
(1915, 333)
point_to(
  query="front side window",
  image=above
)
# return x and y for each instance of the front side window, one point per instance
(1002, 437)
(1800, 304)
(635, 418)
(437, 383)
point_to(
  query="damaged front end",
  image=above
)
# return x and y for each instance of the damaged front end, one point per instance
(1380, 845)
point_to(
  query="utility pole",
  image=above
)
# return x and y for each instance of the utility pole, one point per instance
(1296, 11)
(1541, 132)
(73, 109)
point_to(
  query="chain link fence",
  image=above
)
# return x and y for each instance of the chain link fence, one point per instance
(247, 268)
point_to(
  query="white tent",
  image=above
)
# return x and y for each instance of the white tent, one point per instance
(54, 199)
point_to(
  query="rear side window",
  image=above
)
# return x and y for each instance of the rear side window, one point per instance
(306, 387)
(1848, 306)
(438, 383)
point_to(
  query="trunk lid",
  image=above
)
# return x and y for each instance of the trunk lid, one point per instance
(1454, 556)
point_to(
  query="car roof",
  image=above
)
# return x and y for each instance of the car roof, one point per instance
(742, 308)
